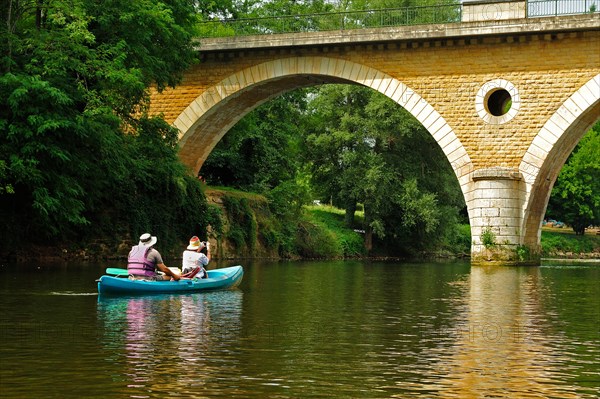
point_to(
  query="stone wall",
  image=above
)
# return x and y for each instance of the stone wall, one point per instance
(481, 10)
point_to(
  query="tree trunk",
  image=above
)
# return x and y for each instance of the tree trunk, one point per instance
(350, 211)
(368, 239)
(40, 14)
(368, 231)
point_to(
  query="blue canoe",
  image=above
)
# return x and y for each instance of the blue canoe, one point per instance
(224, 278)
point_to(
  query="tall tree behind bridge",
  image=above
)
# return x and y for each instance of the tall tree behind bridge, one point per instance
(284, 16)
(575, 197)
(365, 149)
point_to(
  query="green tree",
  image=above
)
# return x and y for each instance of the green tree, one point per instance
(575, 198)
(262, 150)
(365, 149)
(77, 148)
(338, 147)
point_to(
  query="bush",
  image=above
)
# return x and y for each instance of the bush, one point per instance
(243, 227)
(351, 243)
(460, 242)
(316, 241)
(558, 243)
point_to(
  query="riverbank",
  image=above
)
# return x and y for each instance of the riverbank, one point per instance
(562, 243)
(244, 228)
(557, 244)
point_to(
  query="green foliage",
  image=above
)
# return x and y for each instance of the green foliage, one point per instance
(561, 243)
(250, 221)
(287, 199)
(313, 240)
(363, 148)
(4, 189)
(457, 239)
(488, 238)
(39, 139)
(523, 253)
(419, 208)
(224, 9)
(214, 221)
(242, 222)
(262, 150)
(575, 197)
(282, 16)
(286, 202)
(271, 238)
(261, 154)
(350, 242)
(79, 157)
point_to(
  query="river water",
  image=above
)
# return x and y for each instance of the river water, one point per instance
(307, 330)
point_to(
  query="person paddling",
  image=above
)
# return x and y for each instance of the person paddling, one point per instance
(143, 261)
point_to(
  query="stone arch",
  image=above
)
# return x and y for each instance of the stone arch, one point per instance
(549, 151)
(204, 122)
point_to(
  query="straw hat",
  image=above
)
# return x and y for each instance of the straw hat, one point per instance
(195, 244)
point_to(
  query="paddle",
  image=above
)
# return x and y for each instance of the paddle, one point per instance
(117, 272)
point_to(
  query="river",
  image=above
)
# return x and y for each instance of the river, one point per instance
(307, 330)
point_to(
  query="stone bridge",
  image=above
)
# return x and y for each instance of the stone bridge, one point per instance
(505, 96)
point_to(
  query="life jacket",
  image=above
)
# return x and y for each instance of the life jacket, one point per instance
(137, 262)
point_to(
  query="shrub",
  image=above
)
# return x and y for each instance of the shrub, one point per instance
(316, 241)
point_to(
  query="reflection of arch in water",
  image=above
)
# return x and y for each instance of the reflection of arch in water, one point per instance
(160, 337)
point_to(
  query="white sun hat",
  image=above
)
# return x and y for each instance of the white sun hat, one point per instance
(147, 240)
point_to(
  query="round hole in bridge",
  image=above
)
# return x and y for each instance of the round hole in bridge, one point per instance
(498, 102)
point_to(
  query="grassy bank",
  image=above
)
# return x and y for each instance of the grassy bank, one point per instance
(337, 240)
(328, 236)
(563, 243)
(244, 225)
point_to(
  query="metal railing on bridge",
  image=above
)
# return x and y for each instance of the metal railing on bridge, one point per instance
(321, 22)
(382, 18)
(549, 8)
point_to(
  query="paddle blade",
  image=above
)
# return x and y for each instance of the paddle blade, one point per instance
(113, 271)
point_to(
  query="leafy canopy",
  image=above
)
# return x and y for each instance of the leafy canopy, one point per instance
(575, 197)
(364, 149)
(76, 146)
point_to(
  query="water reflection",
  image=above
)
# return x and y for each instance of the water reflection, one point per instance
(506, 343)
(310, 330)
(167, 342)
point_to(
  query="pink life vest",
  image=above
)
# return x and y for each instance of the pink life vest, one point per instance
(137, 262)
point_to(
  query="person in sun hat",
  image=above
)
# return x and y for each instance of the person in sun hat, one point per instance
(143, 261)
(193, 260)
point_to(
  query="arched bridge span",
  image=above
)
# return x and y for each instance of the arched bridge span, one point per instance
(452, 79)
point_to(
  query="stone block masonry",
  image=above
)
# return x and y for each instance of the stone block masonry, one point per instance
(506, 101)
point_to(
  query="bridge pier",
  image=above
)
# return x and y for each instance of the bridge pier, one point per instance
(495, 206)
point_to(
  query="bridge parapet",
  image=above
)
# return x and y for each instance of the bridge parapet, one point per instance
(458, 33)
(482, 10)
(500, 10)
